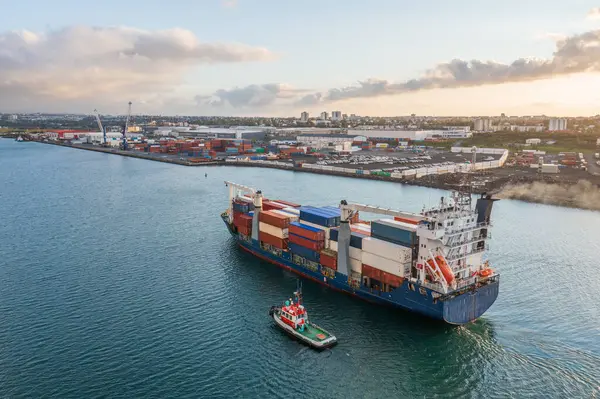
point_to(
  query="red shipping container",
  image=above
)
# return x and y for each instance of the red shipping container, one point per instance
(405, 220)
(274, 219)
(269, 206)
(244, 230)
(303, 242)
(308, 234)
(243, 221)
(328, 261)
(371, 272)
(293, 205)
(277, 242)
(359, 231)
(391, 279)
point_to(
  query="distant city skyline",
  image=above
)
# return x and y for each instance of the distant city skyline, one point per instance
(381, 58)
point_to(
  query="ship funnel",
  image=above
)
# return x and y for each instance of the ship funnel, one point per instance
(484, 208)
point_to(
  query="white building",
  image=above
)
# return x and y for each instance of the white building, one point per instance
(304, 116)
(458, 128)
(533, 141)
(98, 138)
(483, 125)
(13, 117)
(389, 134)
(557, 124)
(524, 128)
(324, 115)
(325, 140)
(336, 116)
(450, 134)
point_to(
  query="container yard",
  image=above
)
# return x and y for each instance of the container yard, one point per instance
(482, 169)
(429, 263)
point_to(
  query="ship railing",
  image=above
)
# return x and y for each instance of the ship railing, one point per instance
(454, 258)
(451, 244)
(478, 226)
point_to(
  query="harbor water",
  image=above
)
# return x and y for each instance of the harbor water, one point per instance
(119, 279)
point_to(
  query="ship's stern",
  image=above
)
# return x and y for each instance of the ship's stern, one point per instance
(471, 304)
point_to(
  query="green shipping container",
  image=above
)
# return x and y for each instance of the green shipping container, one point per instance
(260, 150)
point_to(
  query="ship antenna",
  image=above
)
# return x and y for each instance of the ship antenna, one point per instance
(298, 292)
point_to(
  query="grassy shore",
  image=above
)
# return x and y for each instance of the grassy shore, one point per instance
(565, 142)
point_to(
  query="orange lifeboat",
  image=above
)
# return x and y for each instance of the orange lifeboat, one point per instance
(485, 273)
(446, 270)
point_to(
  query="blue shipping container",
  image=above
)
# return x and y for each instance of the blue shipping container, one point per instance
(316, 217)
(244, 208)
(305, 226)
(328, 213)
(355, 238)
(334, 210)
(304, 252)
(393, 234)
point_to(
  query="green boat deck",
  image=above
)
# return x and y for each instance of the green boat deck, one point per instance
(313, 332)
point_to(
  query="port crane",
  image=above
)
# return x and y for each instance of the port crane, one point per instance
(102, 128)
(126, 127)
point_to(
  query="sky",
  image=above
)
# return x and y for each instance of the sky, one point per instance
(279, 58)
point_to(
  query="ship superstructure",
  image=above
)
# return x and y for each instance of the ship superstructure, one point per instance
(431, 263)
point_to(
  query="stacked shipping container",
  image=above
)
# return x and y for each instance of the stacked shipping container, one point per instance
(273, 229)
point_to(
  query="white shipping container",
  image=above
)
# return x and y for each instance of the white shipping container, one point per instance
(293, 210)
(356, 265)
(355, 253)
(293, 218)
(273, 230)
(400, 225)
(387, 265)
(386, 250)
(363, 227)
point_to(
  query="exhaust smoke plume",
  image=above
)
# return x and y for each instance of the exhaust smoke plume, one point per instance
(583, 195)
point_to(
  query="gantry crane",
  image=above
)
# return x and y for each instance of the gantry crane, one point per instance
(102, 128)
(126, 127)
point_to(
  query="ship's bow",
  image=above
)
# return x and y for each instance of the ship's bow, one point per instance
(471, 305)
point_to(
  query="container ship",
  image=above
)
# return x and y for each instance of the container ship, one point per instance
(430, 263)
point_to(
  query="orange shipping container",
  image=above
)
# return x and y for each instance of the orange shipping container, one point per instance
(405, 220)
(277, 242)
(274, 219)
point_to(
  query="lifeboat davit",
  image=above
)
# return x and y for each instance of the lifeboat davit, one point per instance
(446, 270)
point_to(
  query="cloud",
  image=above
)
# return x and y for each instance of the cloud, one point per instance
(98, 64)
(575, 54)
(256, 95)
(594, 13)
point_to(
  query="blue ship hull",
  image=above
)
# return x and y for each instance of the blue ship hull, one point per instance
(456, 308)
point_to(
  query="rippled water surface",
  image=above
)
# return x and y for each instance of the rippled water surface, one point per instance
(118, 279)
